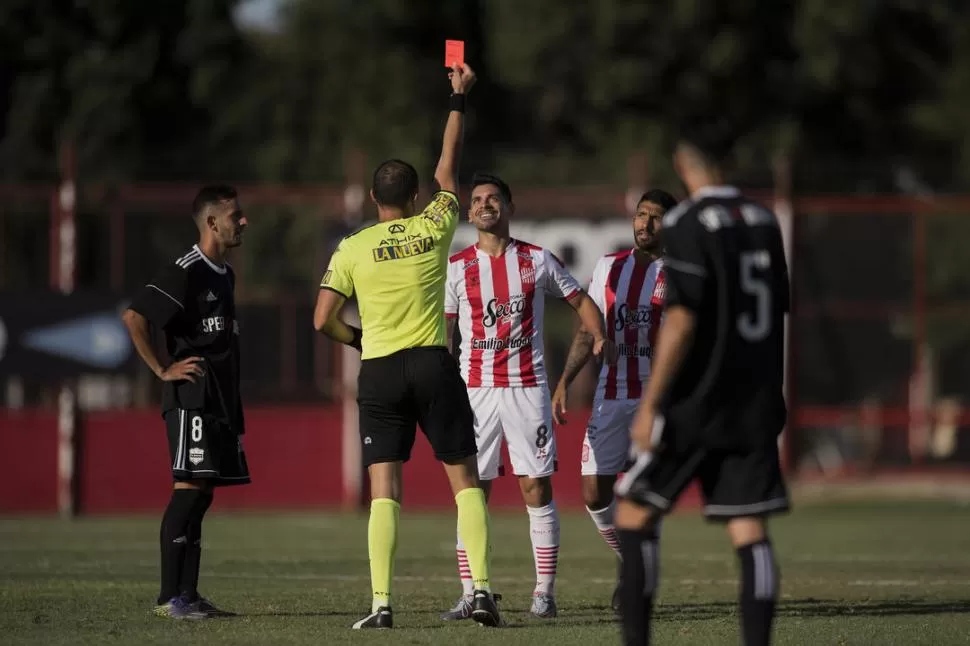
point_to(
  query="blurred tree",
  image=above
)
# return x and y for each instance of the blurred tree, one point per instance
(144, 89)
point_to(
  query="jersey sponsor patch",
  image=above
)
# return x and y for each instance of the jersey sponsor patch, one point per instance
(437, 211)
(406, 250)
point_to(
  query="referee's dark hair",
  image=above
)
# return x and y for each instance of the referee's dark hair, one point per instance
(661, 198)
(210, 195)
(478, 179)
(395, 183)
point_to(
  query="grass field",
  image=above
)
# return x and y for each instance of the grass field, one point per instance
(853, 573)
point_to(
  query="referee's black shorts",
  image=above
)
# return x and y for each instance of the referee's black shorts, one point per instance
(417, 386)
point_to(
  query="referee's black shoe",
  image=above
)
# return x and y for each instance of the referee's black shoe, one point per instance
(383, 618)
(485, 610)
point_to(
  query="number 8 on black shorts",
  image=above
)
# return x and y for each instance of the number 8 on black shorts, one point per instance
(203, 448)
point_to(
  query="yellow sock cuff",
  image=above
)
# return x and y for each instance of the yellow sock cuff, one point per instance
(381, 502)
(470, 494)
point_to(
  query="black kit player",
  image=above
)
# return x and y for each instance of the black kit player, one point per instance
(192, 301)
(714, 405)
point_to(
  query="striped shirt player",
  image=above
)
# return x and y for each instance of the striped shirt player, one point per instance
(630, 293)
(499, 305)
(495, 291)
(629, 289)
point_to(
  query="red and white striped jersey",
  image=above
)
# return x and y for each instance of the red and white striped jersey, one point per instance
(631, 296)
(499, 303)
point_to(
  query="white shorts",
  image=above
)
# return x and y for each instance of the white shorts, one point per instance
(524, 417)
(606, 446)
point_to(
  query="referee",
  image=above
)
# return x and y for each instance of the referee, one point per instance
(397, 268)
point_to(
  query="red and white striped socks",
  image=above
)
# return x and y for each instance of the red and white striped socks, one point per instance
(544, 531)
(603, 519)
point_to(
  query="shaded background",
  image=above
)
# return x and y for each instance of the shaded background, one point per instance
(856, 121)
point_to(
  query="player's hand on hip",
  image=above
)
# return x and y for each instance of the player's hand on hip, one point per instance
(186, 369)
(605, 349)
(462, 78)
(559, 404)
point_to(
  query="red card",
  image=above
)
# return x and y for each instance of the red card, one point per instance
(454, 52)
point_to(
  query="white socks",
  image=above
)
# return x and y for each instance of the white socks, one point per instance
(544, 531)
(603, 519)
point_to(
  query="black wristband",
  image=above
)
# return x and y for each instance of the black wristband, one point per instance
(456, 103)
(355, 341)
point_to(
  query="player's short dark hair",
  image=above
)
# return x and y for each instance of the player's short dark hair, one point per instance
(479, 179)
(713, 137)
(660, 197)
(210, 195)
(395, 183)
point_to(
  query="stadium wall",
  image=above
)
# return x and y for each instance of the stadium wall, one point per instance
(294, 455)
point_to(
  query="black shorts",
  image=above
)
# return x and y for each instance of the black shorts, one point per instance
(202, 448)
(417, 386)
(733, 483)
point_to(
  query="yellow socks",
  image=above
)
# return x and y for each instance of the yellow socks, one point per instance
(473, 529)
(382, 545)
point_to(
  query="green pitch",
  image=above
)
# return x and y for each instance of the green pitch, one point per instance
(853, 573)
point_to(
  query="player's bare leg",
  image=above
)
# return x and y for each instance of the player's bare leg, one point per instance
(473, 527)
(544, 532)
(180, 561)
(759, 578)
(382, 532)
(637, 527)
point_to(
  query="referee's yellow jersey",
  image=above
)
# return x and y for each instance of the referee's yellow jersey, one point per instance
(397, 269)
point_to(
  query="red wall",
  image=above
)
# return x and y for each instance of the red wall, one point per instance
(28, 461)
(294, 455)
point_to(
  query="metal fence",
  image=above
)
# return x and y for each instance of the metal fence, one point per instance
(879, 360)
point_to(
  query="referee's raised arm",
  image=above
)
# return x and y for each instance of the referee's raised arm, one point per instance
(446, 174)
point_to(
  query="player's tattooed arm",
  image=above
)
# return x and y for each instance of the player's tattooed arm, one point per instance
(592, 321)
(580, 351)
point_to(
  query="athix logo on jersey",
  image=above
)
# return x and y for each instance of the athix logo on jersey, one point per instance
(396, 228)
(496, 310)
(629, 318)
(408, 250)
